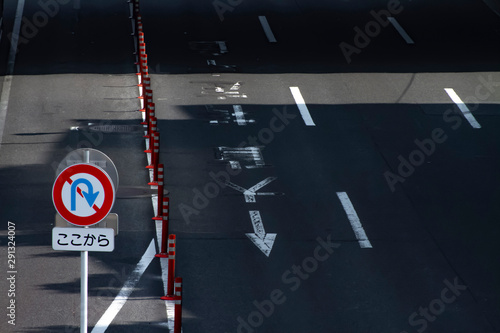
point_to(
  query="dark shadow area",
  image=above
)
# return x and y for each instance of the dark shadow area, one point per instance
(96, 38)
(351, 147)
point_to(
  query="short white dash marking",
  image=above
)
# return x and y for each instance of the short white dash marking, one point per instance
(240, 115)
(354, 220)
(222, 46)
(126, 290)
(401, 31)
(461, 105)
(267, 29)
(304, 112)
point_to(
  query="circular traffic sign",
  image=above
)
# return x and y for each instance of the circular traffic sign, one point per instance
(83, 194)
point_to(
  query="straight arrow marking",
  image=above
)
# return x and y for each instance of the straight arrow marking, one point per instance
(262, 240)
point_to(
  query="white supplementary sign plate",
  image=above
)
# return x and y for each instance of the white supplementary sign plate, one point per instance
(83, 239)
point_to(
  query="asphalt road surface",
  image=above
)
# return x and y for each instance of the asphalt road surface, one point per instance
(329, 169)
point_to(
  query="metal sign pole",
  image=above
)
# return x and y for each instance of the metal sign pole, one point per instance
(84, 283)
(84, 291)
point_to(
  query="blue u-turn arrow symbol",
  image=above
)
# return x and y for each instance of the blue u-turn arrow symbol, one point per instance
(90, 196)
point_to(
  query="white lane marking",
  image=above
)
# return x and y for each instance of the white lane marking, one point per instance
(126, 290)
(267, 29)
(401, 31)
(7, 81)
(461, 105)
(222, 46)
(240, 115)
(354, 220)
(304, 112)
(262, 240)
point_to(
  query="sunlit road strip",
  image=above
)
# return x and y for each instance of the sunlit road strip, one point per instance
(461, 105)
(267, 29)
(126, 290)
(304, 111)
(7, 81)
(354, 220)
(401, 31)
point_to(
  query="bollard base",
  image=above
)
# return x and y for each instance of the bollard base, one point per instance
(170, 298)
(161, 255)
(157, 218)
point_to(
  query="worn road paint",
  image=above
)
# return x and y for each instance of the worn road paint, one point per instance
(252, 191)
(354, 220)
(262, 240)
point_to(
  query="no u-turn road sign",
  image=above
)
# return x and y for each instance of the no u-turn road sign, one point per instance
(83, 194)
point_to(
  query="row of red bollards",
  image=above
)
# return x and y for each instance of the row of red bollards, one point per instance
(152, 135)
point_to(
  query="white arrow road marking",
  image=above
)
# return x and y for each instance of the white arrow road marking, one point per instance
(261, 184)
(354, 220)
(252, 191)
(262, 240)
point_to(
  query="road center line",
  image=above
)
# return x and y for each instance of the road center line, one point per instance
(267, 29)
(354, 220)
(304, 111)
(7, 81)
(401, 31)
(126, 290)
(461, 105)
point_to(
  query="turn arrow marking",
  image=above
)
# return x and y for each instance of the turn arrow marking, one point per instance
(262, 240)
(90, 196)
(252, 191)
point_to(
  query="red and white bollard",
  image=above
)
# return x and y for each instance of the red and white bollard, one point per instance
(177, 298)
(164, 229)
(162, 209)
(171, 267)
(178, 305)
(155, 155)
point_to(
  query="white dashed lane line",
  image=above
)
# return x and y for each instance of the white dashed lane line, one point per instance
(267, 29)
(301, 104)
(354, 220)
(461, 105)
(401, 31)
